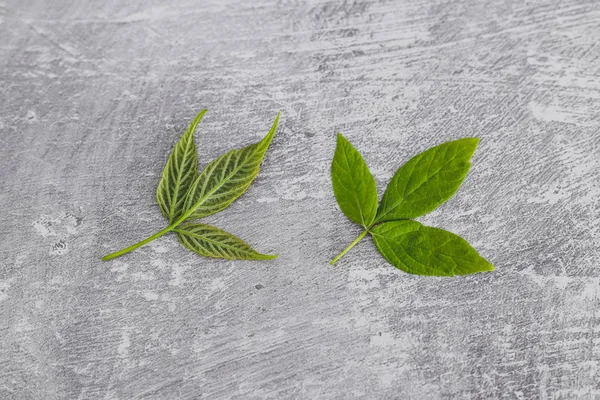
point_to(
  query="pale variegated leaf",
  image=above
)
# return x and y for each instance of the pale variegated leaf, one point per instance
(179, 174)
(182, 194)
(209, 241)
(226, 178)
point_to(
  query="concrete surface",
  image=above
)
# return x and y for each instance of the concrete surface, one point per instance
(95, 94)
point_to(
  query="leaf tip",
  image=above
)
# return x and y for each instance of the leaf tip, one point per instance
(200, 115)
(267, 139)
(192, 128)
(276, 120)
(341, 141)
(483, 266)
(487, 267)
(470, 143)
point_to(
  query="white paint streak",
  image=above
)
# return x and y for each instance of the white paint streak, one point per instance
(44, 227)
(123, 348)
(177, 275)
(551, 113)
(151, 296)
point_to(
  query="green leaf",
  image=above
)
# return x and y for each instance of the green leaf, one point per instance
(422, 250)
(353, 185)
(179, 174)
(418, 187)
(226, 178)
(426, 180)
(182, 194)
(209, 241)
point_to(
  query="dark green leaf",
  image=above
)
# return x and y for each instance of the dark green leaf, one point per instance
(179, 174)
(418, 249)
(353, 185)
(426, 180)
(226, 178)
(209, 241)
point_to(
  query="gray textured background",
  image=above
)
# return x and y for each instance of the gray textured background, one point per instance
(95, 94)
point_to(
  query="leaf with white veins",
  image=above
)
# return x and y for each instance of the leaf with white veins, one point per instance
(209, 241)
(226, 178)
(179, 174)
(182, 194)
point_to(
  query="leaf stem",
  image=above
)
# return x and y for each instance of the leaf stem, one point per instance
(139, 244)
(351, 245)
